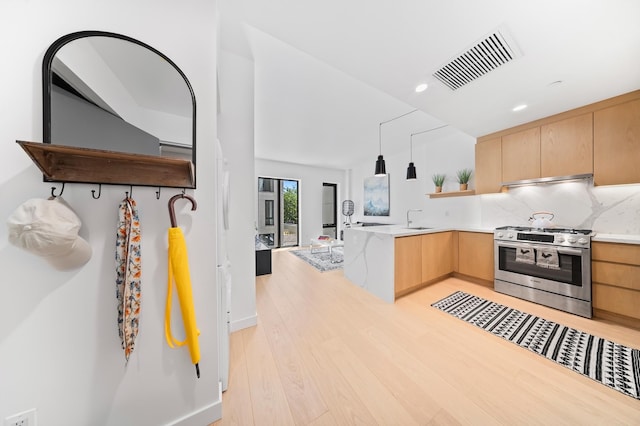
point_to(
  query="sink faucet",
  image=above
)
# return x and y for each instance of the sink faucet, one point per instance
(409, 222)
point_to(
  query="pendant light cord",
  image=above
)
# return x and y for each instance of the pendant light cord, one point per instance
(385, 122)
(418, 133)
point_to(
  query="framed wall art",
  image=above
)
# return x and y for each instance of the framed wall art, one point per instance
(376, 196)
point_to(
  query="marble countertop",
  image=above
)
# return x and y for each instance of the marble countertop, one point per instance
(403, 231)
(616, 238)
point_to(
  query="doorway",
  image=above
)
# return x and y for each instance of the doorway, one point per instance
(278, 209)
(329, 213)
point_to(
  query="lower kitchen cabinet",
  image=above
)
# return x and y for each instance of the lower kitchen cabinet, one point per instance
(615, 270)
(475, 255)
(437, 250)
(408, 263)
(420, 259)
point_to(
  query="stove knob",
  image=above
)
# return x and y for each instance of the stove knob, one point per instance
(560, 239)
(500, 234)
(583, 241)
(509, 235)
(571, 239)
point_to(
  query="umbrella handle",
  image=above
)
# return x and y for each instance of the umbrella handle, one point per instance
(172, 212)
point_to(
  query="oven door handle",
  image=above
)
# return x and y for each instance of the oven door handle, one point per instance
(563, 250)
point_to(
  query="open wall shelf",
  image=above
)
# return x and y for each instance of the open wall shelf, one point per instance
(452, 193)
(60, 163)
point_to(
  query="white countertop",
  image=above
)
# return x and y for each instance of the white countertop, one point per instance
(403, 231)
(616, 238)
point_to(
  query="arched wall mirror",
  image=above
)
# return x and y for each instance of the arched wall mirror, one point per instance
(107, 91)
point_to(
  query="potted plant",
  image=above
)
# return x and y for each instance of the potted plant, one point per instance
(463, 178)
(438, 180)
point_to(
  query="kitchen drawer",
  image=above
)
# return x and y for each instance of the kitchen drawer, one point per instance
(618, 300)
(616, 274)
(618, 253)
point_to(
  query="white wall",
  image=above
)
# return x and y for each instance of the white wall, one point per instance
(235, 131)
(59, 347)
(310, 195)
(437, 154)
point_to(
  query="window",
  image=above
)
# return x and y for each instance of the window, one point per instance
(265, 185)
(268, 212)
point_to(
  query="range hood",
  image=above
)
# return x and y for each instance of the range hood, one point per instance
(548, 180)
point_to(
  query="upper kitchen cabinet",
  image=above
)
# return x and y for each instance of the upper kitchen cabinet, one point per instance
(489, 166)
(521, 155)
(616, 144)
(602, 139)
(566, 147)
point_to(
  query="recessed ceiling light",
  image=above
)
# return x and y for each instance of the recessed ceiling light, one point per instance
(421, 87)
(519, 107)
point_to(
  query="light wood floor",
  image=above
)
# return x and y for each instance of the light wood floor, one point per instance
(326, 352)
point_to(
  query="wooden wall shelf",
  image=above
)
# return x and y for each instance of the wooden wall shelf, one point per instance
(452, 194)
(60, 163)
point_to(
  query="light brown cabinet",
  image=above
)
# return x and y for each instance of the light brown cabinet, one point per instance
(489, 166)
(601, 138)
(566, 146)
(437, 252)
(408, 263)
(559, 148)
(615, 270)
(420, 259)
(616, 144)
(521, 155)
(475, 255)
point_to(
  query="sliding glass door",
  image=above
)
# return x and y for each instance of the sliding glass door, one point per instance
(278, 212)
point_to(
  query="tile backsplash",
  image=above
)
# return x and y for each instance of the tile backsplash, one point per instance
(604, 209)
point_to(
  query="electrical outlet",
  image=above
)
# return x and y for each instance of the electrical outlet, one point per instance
(26, 418)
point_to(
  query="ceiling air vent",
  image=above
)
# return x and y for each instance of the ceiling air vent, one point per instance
(486, 55)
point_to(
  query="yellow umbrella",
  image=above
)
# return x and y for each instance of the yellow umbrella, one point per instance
(179, 272)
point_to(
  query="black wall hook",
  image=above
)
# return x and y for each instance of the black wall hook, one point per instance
(53, 189)
(158, 193)
(93, 192)
(129, 194)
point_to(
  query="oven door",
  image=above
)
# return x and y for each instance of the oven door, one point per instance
(572, 278)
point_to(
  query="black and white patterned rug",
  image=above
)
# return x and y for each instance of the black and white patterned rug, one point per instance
(320, 258)
(614, 365)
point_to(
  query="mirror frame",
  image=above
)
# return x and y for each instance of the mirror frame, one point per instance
(47, 78)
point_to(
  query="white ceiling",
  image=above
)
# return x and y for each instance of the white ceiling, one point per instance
(327, 73)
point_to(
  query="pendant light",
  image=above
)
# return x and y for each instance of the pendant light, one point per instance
(411, 170)
(381, 169)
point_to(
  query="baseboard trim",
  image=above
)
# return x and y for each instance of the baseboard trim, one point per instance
(244, 323)
(617, 318)
(205, 415)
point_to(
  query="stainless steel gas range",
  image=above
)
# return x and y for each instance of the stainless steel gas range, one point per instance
(548, 266)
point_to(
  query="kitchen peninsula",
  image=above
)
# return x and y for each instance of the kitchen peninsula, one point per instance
(391, 261)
